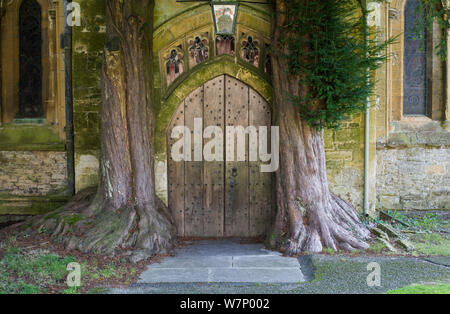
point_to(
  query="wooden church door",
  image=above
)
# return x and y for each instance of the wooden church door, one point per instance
(228, 198)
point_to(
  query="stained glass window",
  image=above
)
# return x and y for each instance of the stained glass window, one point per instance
(30, 59)
(415, 62)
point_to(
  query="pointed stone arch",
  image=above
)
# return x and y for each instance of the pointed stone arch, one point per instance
(221, 66)
(224, 65)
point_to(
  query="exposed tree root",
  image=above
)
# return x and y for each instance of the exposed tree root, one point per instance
(87, 225)
(311, 230)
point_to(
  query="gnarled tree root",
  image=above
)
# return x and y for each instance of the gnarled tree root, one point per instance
(312, 229)
(88, 225)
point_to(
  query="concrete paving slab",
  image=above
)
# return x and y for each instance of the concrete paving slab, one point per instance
(170, 275)
(265, 261)
(224, 249)
(224, 261)
(194, 262)
(257, 275)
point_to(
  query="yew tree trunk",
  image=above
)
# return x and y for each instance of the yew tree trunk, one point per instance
(309, 217)
(125, 212)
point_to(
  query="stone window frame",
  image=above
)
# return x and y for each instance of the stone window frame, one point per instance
(53, 75)
(435, 70)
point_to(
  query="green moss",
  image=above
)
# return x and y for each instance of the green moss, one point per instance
(88, 43)
(72, 219)
(377, 247)
(52, 215)
(32, 205)
(30, 137)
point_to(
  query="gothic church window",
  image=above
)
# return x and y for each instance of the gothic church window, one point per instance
(30, 60)
(415, 61)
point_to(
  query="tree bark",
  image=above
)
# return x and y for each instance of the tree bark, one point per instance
(309, 216)
(125, 212)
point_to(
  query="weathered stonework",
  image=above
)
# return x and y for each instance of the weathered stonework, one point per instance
(32, 173)
(408, 158)
(413, 166)
(161, 177)
(88, 41)
(345, 161)
(413, 178)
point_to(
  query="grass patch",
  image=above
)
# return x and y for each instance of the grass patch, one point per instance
(30, 272)
(328, 250)
(31, 266)
(423, 289)
(427, 222)
(431, 244)
(377, 247)
(428, 231)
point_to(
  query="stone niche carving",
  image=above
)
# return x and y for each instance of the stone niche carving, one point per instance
(198, 49)
(225, 45)
(174, 63)
(250, 51)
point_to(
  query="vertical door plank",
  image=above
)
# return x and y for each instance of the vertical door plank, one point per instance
(236, 183)
(260, 183)
(213, 171)
(193, 217)
(175, 174)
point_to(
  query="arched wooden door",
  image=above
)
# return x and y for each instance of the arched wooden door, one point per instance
(220, 198)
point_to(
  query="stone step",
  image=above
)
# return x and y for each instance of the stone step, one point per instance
(224, 262)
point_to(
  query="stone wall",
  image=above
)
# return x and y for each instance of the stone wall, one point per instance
(345, 161)
(413, 178)
(32, 173)
(88, 41)
(413, 166)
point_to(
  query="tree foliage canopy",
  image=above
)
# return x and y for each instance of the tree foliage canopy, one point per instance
(332, 51)
(434, 12)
